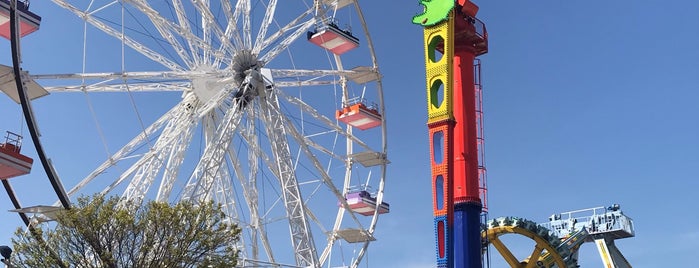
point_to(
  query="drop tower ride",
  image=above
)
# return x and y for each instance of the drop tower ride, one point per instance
(453, 40)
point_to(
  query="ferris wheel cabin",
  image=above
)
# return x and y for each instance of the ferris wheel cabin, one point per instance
(360, 115)
(29, 22)
(12, 163)
(332, 38)
(361, 202)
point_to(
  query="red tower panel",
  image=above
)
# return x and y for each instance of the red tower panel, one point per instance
(465, 149)
(441, 136)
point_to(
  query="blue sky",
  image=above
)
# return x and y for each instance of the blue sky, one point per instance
(587, 104)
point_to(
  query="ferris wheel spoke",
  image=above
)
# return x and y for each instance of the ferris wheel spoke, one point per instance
(111, 76)
(170, 26)
(125, 150)
(184, 23)
(245, 7)
(307, 78)
(294, 73)
(206, 170)
(260, 46)
(170, 146)
(210, 21)
(144, 50)
(177, 153)
(144, 162)
(286, 84)
(266, 21)
(232, 31)
(141, 87)
(296, 77)
(284, 44)
(222, 189)
(170, 37)
(315, 114)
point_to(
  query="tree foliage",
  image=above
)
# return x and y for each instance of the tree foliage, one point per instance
(101, 232)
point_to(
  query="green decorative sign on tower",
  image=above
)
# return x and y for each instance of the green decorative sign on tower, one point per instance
(435, 11)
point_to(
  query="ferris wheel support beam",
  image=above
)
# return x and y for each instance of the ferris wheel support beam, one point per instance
(251, 197)
(302, 241)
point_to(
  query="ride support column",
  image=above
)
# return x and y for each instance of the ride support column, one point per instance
(470, 40)
(467, 203)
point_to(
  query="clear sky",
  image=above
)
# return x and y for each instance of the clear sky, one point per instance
(588, 103)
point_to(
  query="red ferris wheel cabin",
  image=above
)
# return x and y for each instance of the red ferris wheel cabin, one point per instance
(359, 115)
(28, 21)
(12, 163)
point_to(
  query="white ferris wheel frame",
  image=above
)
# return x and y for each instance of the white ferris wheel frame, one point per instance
(175, 128)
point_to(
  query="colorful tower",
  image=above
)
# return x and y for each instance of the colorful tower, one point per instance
(453, 40)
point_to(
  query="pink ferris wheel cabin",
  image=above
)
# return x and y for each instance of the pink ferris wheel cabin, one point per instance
(28, 21)
(363, 203)
(332, 38)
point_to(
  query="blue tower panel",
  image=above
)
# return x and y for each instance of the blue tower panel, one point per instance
(443, 237)
(467, 235)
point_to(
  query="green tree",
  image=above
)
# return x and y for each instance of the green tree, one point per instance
(101, 232)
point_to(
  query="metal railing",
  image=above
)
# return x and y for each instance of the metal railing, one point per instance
(13, 141)
(599, 220)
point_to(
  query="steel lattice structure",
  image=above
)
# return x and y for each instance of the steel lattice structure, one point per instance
(254, 127)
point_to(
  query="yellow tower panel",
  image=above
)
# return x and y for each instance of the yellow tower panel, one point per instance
(439, 52)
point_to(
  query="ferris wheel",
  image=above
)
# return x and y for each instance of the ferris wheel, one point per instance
(273, 109)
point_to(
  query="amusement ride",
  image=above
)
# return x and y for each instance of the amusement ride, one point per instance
(453, 39)
(251, 104)
(247, 103)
